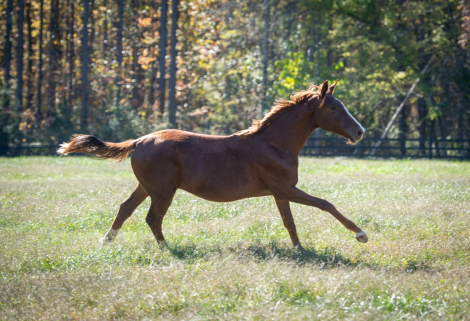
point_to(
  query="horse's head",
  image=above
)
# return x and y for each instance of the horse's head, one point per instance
(332, 115)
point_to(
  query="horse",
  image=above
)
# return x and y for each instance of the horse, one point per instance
(261, 160)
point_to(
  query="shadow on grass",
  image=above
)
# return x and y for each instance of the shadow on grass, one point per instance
(326, 256)
(190, 253)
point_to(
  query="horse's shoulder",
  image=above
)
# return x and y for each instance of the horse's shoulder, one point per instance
(274, 156)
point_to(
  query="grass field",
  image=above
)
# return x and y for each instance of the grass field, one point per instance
(235, 260)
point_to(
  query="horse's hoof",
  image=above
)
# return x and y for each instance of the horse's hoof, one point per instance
(106, 239)
(109, 236)
(361, 236)
(162, 244)
(300, 248)
(362, 239)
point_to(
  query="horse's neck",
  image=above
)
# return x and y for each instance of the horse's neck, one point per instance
(291, 131)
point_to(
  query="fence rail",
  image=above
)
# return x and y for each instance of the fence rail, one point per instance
(414, 148)
(29, 150)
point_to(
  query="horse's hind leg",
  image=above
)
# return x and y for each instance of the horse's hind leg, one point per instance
(125, 211)
(288, 220)
(157, 211)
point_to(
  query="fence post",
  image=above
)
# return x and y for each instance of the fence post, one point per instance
(430, 146)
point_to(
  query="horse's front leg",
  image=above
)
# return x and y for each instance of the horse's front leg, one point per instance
(293, 194)
(288, 221)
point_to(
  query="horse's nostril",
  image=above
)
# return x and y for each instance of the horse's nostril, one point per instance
(359, 133)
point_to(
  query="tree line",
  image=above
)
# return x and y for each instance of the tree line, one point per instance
(120, 69)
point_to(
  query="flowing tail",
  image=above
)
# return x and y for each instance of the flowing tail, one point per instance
(91, 145)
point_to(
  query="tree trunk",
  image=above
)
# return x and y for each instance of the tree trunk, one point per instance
(174, 26)
(39, 84)
(119, 48)
(459, 66)
(105, 32)
(330, 51)
(136, 101)
(71, 53)
(30, 56)
(265, 56)
(287, 35)
(318, 53)
(90, 53)
(422, 111)
(163, 22)
(91, 34)
(53, 55)
(8, 44)
(152, 79)
(311, 55)
(19, 57)
(402, 126)
(84, 116)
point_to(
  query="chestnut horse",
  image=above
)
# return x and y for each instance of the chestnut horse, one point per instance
(259, 161)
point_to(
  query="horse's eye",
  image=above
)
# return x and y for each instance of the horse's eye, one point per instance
(333, 107)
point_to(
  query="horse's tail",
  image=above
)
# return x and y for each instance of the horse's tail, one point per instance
(91, 145)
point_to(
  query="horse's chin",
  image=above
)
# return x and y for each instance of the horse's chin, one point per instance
(351, 141)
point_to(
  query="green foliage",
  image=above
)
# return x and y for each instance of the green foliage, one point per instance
(295, 74)
(10, 118)
(375, 49)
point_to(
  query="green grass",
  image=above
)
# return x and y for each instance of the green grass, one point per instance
(235, 260)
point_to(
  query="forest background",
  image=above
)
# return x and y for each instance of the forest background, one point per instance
(212, 66)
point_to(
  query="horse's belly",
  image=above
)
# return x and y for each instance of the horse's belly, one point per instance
(216, 195)
(224, 187)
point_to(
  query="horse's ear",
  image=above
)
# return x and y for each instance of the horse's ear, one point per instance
(324, 90)
(331, 89)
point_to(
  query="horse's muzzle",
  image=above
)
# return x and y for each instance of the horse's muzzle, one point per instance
(356, 136)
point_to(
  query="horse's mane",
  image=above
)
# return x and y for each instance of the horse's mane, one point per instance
(280, 107)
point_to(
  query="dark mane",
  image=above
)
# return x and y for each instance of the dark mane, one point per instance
(280, 107)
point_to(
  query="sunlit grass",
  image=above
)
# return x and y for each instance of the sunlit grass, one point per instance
(235, 260)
